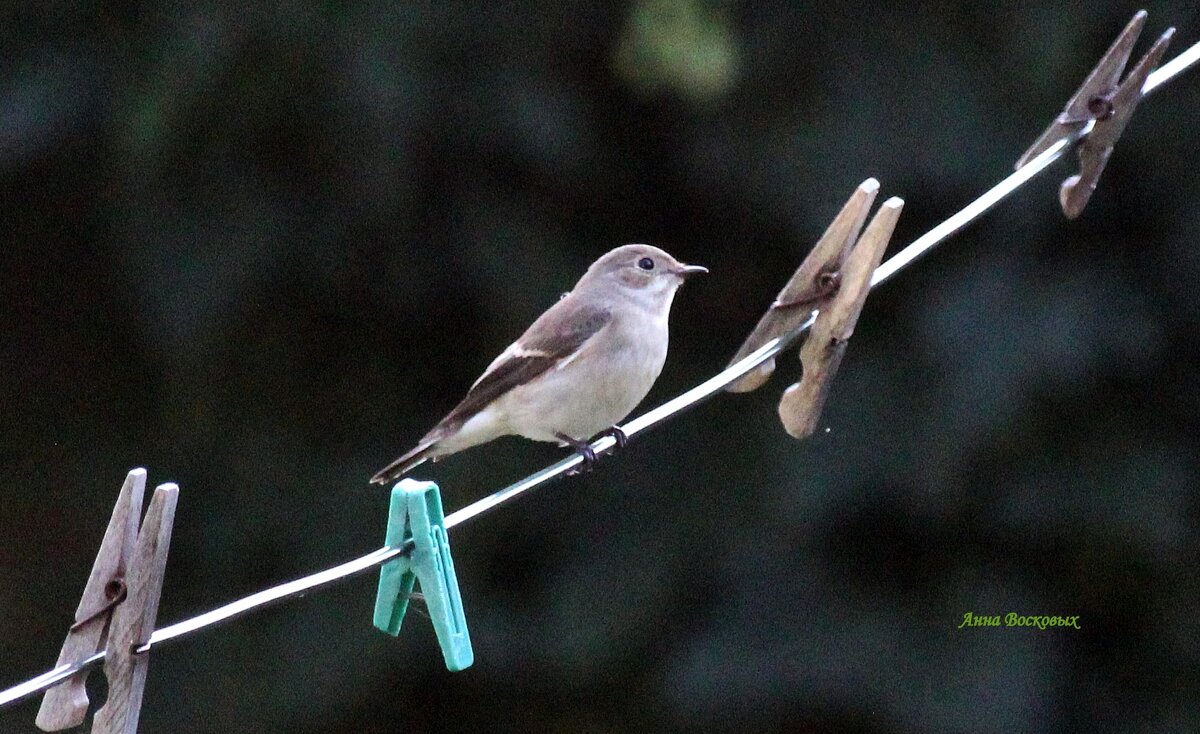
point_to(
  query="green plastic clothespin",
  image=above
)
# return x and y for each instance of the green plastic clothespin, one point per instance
(416, 512)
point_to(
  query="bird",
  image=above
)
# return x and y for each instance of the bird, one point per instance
(581, 367)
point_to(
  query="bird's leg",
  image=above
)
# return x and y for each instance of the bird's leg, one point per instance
(585, 451)
(617, 435)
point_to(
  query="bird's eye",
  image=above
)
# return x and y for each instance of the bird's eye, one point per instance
(646, 263)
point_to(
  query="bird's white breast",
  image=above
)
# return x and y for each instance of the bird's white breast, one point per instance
(597, 386)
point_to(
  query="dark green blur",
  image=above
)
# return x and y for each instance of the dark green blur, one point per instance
(261, 251)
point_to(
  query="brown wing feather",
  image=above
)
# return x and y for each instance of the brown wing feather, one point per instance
(556, 335)
(553, 337)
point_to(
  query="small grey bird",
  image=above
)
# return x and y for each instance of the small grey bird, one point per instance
(582, 366)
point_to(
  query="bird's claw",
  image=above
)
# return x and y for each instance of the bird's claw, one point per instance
(585, 451)
(618, 435)
(588, 455)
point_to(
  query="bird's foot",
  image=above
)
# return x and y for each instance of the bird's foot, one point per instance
(583, 448)
(617, 435)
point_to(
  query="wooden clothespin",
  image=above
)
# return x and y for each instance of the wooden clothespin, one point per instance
(801, 404)
(1108, 101)
(810, 286)
(834, 280)
(117, 613)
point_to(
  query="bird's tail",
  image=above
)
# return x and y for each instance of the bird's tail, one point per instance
(406, 463)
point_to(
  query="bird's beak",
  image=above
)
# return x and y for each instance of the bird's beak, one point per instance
(684, 271)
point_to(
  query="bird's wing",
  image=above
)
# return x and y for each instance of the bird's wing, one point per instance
(552, 340)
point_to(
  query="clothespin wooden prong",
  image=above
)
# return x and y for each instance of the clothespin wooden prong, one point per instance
(116, 613)
(811, 285)
(801, 404)
(1103, 100)
(66, 705)
(133, 621)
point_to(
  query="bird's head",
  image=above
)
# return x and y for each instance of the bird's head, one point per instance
(642, 271)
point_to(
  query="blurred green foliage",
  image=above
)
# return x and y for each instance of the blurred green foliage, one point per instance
(678, 45)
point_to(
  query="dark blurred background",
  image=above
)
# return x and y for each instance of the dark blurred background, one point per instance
(261, 251)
